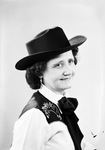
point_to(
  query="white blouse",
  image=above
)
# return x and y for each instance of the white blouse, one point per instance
(32, 131)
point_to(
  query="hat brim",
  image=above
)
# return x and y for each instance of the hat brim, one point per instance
(28, 61)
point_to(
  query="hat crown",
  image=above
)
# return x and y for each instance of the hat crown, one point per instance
(48, 40)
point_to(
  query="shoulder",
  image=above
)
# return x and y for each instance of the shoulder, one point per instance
(33, 116)
(32, 103)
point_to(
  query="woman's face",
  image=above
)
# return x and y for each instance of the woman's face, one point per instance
(59, 72)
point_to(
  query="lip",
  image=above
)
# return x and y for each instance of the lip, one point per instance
(63, 79)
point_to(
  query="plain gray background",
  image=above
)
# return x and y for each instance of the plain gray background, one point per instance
(20, 21)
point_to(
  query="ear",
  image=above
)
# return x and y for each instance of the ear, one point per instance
(41, 79)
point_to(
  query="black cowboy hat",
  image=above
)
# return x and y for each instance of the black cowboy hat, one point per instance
(46, 44)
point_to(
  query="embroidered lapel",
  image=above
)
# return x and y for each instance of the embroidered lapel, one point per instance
(50, 110)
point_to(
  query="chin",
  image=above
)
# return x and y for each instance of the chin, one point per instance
(66, 87)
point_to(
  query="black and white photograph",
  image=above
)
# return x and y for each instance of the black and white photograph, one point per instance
(52, 75)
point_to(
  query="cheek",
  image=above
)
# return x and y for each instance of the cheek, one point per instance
(48, 78)
(53, 80)
(51, 77)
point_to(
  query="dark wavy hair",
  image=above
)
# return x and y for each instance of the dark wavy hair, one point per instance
(34, 73)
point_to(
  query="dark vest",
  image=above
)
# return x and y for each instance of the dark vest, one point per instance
(50, 110)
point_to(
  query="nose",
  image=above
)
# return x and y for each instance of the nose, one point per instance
(68, 71)
(69, 74)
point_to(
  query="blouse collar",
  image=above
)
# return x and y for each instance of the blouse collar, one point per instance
(50, 95)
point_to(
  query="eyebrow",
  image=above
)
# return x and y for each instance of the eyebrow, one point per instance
(60, 61)
(71, 59)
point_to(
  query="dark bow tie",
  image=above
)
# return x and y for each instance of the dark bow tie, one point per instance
(68, 106)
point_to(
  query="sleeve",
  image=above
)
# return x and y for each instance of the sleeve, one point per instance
(30, 131)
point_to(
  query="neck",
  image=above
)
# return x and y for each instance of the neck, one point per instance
(59, 92)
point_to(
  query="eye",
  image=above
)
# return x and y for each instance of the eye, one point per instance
(71, 61)
(58, 65)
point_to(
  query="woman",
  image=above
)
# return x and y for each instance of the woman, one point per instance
(48, 121)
